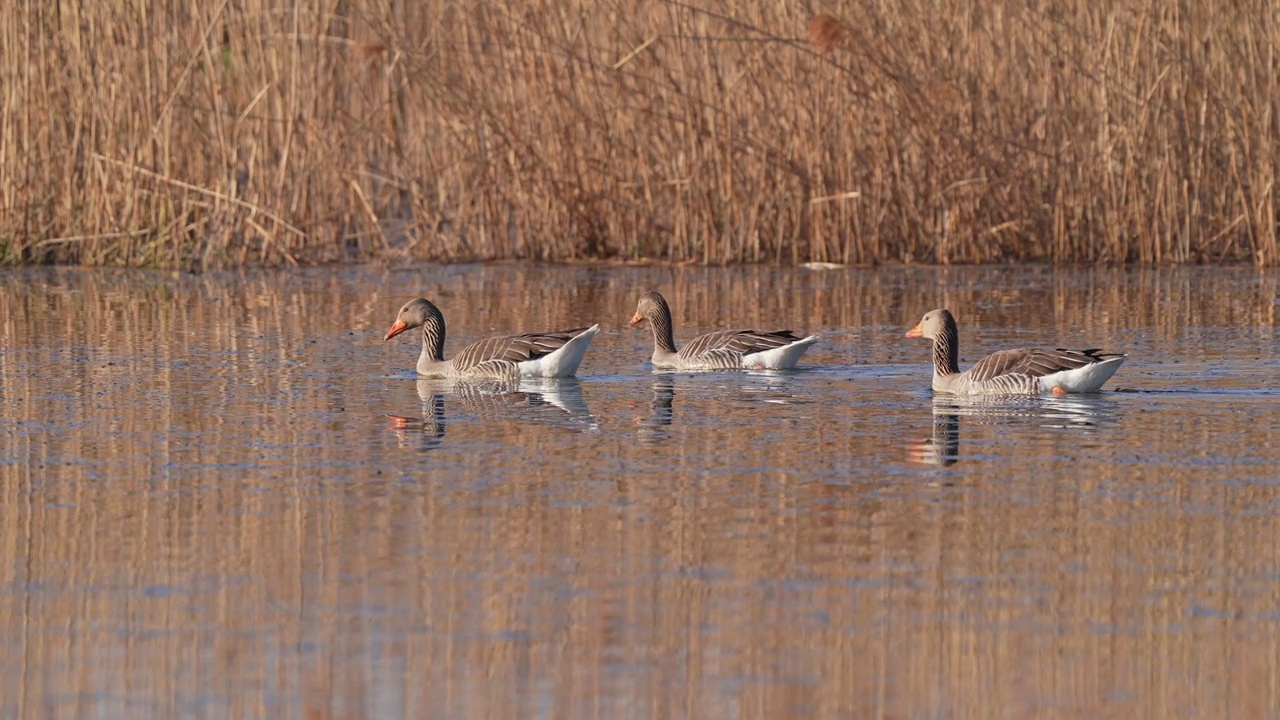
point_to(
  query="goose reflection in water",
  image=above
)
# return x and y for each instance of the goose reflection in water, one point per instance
(728, 392)
(427, 431)
(1065, 412)
(654, 427)
(557, 401)
(943, 447)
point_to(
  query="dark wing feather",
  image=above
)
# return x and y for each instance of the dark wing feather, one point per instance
(513, 348)
(1034, 362)
(742, 342)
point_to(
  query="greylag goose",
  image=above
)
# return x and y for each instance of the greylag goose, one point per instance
(1024, 371)
(547, 355)
(721, 350)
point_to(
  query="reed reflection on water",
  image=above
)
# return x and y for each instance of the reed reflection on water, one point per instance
(224, 495)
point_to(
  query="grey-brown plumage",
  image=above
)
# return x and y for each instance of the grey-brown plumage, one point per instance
(1022, 371)
(513, 348)
(545, 354)
(720, 350)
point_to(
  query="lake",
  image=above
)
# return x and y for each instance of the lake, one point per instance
(224, 495)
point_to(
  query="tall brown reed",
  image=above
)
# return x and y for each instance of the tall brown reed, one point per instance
(213, 134)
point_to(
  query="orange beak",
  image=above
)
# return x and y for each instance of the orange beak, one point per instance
(916, 331)
(396, 329)
(637, 318)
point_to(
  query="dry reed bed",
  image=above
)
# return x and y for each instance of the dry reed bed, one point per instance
(213, 134)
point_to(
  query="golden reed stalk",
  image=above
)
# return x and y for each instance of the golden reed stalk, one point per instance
(198, 135)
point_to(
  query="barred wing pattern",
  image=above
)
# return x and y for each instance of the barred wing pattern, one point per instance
(512, 348)
(737, 342)
(1033, 362)
(496, 372)
(1011, 372)
(722, 350)
(716, 359)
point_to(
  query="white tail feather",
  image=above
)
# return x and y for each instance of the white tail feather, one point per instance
(1089, 378)
(564, 361)
(782, 358)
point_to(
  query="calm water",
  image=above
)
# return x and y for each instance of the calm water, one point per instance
(224, 496)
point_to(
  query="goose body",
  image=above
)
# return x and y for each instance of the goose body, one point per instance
(545, 355)
(720, 350)
(1022, 371)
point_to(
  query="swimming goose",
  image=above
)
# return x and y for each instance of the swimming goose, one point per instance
(547, 355)
(722, 350)
(1024, 371)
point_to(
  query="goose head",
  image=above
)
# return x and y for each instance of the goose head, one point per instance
(415, 313)
(652, 307)
(934, 324)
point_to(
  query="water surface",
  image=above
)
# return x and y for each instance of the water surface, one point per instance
(225, 496)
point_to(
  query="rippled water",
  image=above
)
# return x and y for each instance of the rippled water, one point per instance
(226, 496)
